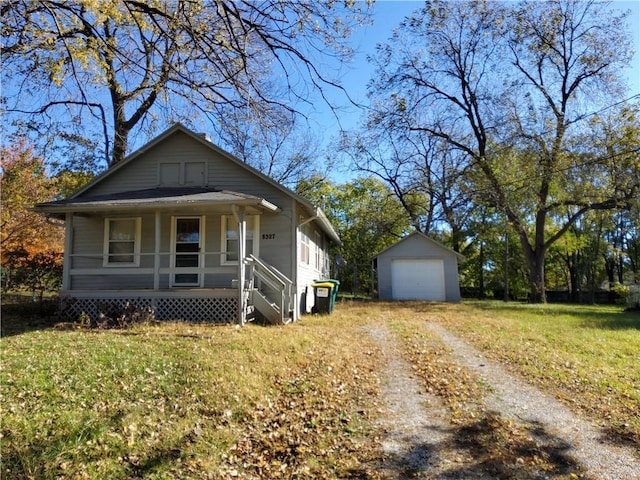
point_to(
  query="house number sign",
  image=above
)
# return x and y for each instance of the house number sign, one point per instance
(268, 236)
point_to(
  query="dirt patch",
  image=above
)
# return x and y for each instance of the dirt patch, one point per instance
(515, 430)
(414, 423)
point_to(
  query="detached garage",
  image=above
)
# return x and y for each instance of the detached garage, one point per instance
(418, 268)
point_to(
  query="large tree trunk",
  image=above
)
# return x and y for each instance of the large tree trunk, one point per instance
(481, 272)
(536, 280)
(535, 267)
(119, 145)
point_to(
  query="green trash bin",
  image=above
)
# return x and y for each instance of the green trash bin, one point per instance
(323, 297)
(334, 291)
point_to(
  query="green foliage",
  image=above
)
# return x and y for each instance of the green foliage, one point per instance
(367, 215)
(68, 181)
(40, 272)
(622, 291)
(597, 250)
(368, 219)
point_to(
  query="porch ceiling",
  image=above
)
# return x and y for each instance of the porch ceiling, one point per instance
(163, 198)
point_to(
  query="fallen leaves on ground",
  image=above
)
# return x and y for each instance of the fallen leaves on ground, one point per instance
(484, 441)
(312, 426)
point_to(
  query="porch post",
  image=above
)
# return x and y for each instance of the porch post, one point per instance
(156, 253)
(295, 230)
(238, 212)
(68, 251)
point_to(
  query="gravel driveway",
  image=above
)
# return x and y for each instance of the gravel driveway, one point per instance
(420, 442)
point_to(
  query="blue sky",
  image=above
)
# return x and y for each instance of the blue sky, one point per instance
(354, 77)
(388, 15)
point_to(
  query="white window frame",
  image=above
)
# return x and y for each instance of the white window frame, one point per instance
(319, 250)
(223, 237)
(326, 261)
(136, 243)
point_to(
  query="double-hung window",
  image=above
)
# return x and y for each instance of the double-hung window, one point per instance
(230, 238)
(122, 242)
(305, 245)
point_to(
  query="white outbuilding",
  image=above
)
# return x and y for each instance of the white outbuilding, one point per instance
(418, 268)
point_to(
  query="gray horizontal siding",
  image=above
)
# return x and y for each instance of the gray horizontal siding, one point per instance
(111, 282)
(276, 247)
(223, 173)
(219, 280)
(88, 235)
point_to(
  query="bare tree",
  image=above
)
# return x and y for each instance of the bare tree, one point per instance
(424, 172)
(127, 66)
(512, 87)
(278, 145)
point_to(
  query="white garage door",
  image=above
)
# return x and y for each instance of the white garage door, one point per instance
(417, 279)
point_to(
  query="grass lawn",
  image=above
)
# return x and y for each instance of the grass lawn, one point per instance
(187, 401)
(587, 356)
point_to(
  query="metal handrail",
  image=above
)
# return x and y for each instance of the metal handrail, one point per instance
(271, 269)
(275, 279)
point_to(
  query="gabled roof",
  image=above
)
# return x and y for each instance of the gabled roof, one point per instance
(426, 238)
(313, 211)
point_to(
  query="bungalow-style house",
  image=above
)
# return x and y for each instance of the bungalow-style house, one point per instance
(191, 230)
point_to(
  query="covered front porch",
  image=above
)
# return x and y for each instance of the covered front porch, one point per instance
(182, 251)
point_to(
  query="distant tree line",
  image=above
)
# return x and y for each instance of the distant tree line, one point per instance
(603, 249)
(506, 130)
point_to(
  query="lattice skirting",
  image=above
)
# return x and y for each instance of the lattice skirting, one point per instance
(197, 309)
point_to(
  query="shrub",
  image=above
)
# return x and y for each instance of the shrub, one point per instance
(621, 291)
(38, 272)
(112, 315)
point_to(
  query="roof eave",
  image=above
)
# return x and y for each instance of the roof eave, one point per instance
(71, 207)
(327, 227)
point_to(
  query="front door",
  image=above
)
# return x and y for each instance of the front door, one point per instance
(187, 248)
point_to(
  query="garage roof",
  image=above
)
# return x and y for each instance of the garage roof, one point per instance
(425, 237)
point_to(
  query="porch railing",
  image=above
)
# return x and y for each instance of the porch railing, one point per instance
(160, 269)
(266, 288)
(273, 285)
